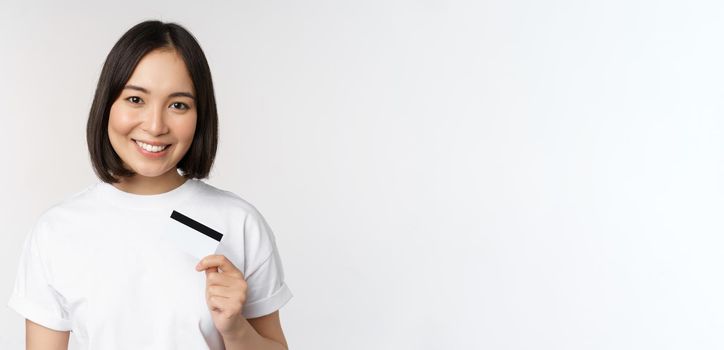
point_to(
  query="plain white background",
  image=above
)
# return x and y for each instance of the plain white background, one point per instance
(439, 174)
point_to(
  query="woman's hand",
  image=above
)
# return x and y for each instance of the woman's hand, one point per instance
(225, 294)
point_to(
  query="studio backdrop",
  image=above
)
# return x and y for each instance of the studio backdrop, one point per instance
(438, 174)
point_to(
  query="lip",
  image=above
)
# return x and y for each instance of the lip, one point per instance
(152, 143)
(151, 155)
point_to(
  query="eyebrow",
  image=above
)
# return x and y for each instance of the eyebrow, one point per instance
(175, 94)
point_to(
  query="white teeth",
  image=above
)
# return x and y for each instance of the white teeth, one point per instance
(151, 148)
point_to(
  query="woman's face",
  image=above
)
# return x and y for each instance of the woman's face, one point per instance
(152, 123)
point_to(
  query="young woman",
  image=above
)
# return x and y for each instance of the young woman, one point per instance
(101, 263)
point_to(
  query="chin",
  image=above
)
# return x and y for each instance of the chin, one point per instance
(150, 172)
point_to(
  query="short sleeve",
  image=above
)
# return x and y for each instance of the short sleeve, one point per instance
(33, 297)
(266, 289)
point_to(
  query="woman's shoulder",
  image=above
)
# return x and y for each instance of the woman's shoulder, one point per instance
(73, 204)
(225, 198)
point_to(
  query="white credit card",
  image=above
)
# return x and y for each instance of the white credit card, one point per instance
(191, 236)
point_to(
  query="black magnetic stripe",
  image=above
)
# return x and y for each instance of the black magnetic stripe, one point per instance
(196, 225)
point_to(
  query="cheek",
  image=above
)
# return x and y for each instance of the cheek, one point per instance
(120, 121)
(185, 129)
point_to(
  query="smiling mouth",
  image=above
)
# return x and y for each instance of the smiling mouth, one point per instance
(151, 148)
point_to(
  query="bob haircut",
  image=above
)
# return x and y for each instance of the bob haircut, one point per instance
(118, 68)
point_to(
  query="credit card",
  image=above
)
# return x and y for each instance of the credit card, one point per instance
(191, 236)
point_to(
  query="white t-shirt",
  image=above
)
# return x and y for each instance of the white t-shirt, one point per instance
(94, 265)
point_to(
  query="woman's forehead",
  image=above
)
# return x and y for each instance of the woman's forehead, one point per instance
(162, 72)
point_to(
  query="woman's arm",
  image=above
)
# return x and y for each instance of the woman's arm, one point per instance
(38, 337)
(261, 333)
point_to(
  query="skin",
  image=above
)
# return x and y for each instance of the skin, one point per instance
(157, 105)
(153, 116)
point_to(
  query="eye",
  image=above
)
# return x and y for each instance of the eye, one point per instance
(134, 99)
(180, 105)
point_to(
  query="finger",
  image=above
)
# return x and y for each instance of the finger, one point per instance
(236, 291)
(220, 261)
(213, 276)
(208, 261)
(226, 306)
(222, 291)
(217, 278)
(217, 291)
(216, 303)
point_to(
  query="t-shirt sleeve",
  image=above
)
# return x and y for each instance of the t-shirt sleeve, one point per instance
(33, 296)
(266, 289)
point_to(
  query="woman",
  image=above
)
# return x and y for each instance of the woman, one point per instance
(102, 263)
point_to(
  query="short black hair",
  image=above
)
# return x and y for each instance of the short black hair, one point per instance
(120, 63)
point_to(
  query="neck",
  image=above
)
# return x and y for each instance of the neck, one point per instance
(138, 184)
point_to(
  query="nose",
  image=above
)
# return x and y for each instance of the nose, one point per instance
(154, 123)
